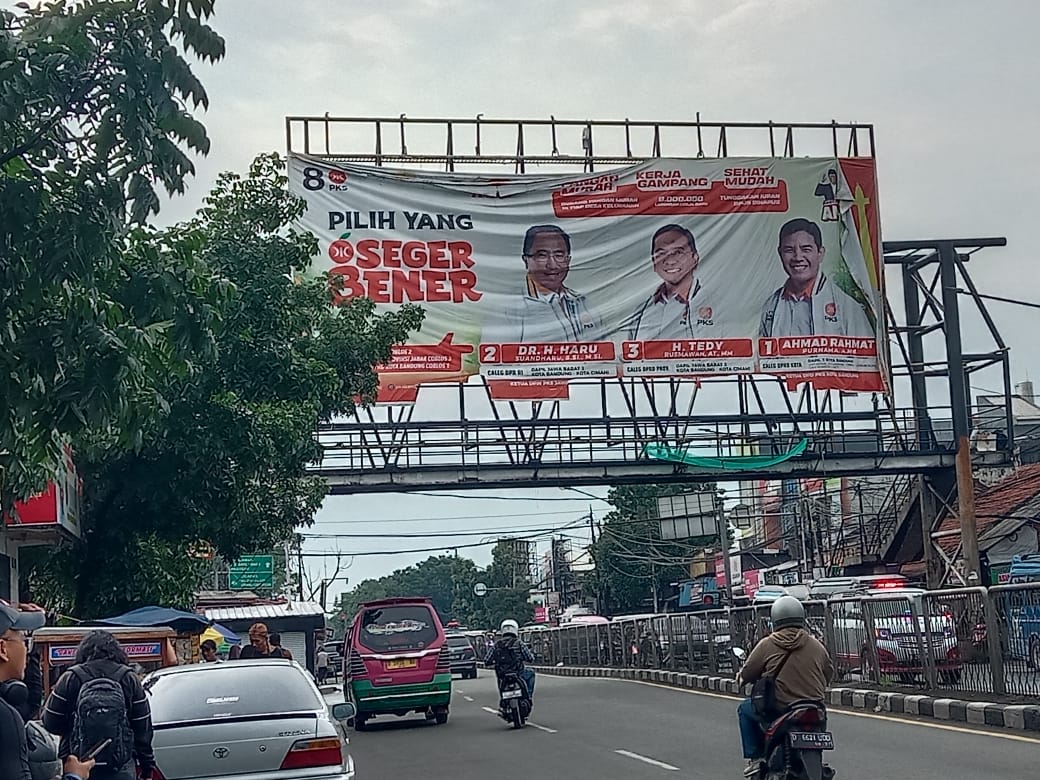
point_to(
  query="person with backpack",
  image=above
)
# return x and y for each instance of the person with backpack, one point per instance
(508, 656)
(16, 644)
(101, 698)
(788, 665)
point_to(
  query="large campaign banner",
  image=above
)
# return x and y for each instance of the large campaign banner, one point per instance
(668, 268)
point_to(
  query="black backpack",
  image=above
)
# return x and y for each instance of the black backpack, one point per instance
(508, 659)
(102, 712)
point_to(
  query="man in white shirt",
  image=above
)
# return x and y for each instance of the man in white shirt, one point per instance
(548, 311)
(679, 307)
(322, 664)
(810, 304)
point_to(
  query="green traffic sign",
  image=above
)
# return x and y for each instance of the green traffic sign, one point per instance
(252, 571)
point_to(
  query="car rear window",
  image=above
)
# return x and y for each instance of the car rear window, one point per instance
(225, 691)
(397, 628)
(458, 641)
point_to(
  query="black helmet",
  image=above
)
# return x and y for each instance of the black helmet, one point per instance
(787, 611)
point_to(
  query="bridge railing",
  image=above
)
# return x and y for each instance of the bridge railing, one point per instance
(354, 446)
(972, 641)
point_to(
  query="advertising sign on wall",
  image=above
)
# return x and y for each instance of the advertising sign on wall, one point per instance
(668, 268)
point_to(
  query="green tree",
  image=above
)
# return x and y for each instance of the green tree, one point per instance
(95, 114)
(632, 561)
(446, 580)
(227, 462)
(508, 590)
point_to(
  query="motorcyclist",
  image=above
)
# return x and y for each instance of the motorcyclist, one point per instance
(508, 656)
(805, 674)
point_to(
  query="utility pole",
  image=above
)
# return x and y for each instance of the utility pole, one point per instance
(961, 415)
(299, 563)
(722, 530)
(592, 526)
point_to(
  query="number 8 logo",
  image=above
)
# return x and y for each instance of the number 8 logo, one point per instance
(313, 178)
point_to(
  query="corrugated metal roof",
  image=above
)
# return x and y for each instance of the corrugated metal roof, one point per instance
(261, 611)
(1016, 497)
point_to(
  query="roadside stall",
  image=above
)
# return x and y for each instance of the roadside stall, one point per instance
(187, 627)
(148, 647)
(296, 621)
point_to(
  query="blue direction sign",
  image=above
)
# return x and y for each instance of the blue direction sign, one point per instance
(252, 571)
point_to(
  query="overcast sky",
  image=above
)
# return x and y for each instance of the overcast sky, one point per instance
(950, 87)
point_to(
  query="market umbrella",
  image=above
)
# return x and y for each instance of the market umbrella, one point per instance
(223, 637)
(181, 622)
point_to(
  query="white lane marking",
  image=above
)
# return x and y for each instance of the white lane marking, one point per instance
(645, 760)
(546, 729)
(894, 717)
(468, 698)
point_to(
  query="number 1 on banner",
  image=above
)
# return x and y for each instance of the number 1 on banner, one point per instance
(765, 346)
(633, 350)
(488, 353)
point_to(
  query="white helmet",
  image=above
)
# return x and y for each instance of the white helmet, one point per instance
(509, 628)
(787, 611)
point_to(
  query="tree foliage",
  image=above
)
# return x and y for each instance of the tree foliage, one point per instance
(226, 461)
(632, 561)
(96, 102)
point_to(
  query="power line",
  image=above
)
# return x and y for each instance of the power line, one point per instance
(437, 519)
(1001, 299)
(499, 498)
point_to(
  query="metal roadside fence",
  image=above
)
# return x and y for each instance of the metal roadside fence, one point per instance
(974, 641)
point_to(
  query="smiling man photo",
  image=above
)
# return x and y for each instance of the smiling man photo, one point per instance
(679, 308)
(810, 304)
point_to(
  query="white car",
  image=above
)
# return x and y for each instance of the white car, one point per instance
(255, 718)
(895, 637)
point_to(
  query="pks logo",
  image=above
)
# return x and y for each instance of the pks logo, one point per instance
(341, 250)
(830, 311)
(314, 179)
(705, 316)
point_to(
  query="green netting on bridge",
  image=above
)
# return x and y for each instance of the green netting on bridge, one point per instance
(731, 463)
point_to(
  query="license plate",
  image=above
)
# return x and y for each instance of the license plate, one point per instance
(512, 694)
(812, 740)
(404, 663)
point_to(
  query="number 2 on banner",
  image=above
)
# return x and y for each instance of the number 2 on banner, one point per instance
(633, 350)
(489, 353)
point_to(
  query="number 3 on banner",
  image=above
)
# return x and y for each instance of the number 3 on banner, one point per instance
(633, 350)
(489, 353)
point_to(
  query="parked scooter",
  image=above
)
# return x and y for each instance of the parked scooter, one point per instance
(795, 741)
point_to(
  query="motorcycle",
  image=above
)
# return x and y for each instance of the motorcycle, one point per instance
(515, 705)
(795, 741)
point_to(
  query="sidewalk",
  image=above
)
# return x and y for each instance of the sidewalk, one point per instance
(1020, 717)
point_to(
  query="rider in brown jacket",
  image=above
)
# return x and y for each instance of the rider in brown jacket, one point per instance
(805, 675)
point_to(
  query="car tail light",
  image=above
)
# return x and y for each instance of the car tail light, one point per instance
(314, 752)
(443, 661)
(356, 668)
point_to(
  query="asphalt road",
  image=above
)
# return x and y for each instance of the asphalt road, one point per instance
(584, 728)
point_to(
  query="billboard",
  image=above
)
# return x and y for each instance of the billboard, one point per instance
(667, 268)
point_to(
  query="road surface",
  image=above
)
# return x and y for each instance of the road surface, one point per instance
(607, 729)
